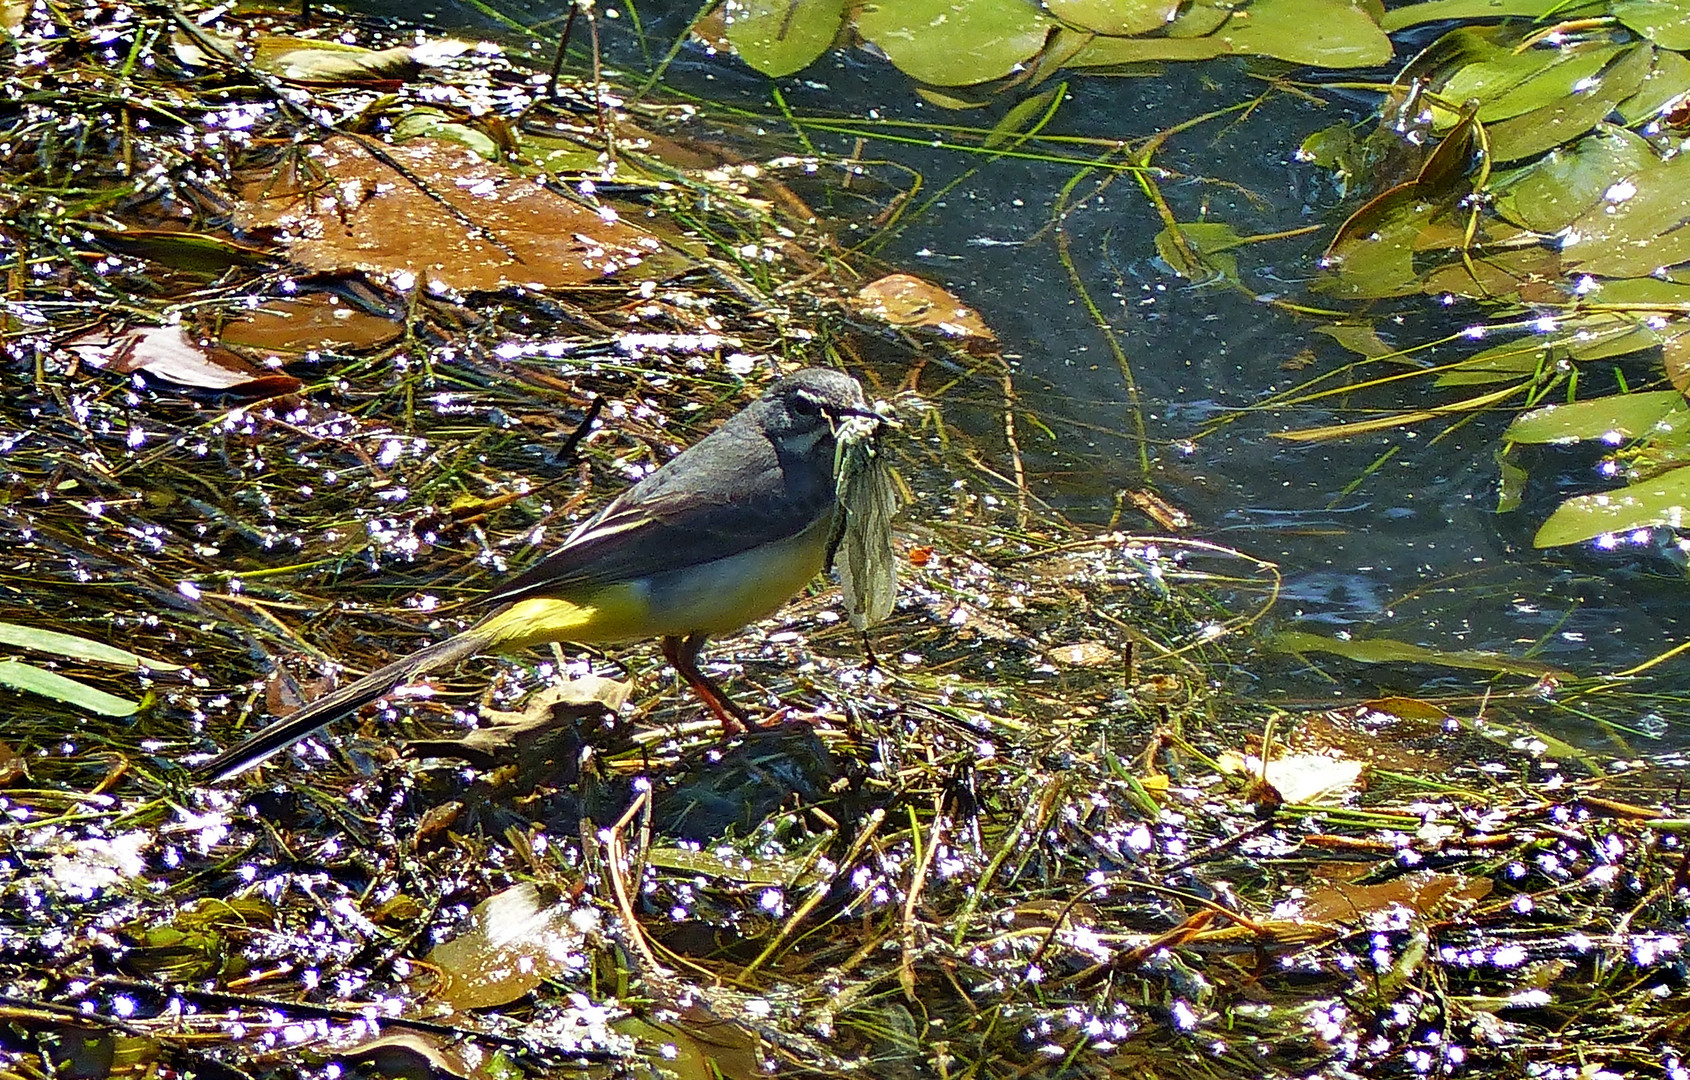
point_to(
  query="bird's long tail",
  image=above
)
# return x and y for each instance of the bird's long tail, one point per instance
(342, 702)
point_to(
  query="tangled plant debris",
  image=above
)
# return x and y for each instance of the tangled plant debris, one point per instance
(1035, 829)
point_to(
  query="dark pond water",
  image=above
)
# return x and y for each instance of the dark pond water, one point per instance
(1392, 534)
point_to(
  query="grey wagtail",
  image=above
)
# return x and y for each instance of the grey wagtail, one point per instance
(720, 536)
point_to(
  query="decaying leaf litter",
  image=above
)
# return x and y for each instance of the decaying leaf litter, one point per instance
(1034, 836)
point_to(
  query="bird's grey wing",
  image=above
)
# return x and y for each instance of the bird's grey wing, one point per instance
(677, 518)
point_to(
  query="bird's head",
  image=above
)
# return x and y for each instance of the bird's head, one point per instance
(812, 401)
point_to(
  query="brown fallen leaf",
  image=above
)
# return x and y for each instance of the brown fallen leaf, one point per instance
(1425, 893)
(477, 227)
(310, 322)
(907, 301)
(170, 354)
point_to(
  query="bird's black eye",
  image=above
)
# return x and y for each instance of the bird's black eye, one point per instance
(805, 405)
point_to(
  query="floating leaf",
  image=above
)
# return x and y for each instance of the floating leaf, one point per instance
(955, 42)
(17, 675)
(1372, 254)
(1641, 224)
(479, 226)
(1509, 360)
(1360, 338)
(947, 100)
(791, 872)
(1198, 250)
(1613, 419)
(1670, 293)
(779, 37)
(1115, 51)
(1445, 172)
(1326, 33)
(1316, 779)
(1200, 18)
(434, 124)
(1665, 22)
(515, 940)
(1666, 85)
(168, 352)
(1424, 894)
(1118, 17)
(1530, 274)
(308, 323)
(311, 60)
(1569, 118)
(1675, 358)
(1556, 190)
(1330, 148)
(409, 1055)
(908, 301)
(1386, 651)
(71, 647)
(1659, 500)
(1439, 10)
(1510, 82)
(182, 250)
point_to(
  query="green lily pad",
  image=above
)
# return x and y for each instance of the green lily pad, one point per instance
(1614, 419)
(1562, 121)
(1529, 274)
(1659, 500)
(1604, 336)
(1113, 51)
(1326, 33)
(1438, 10)
(557, 155)
(1597, 336)
(955, 42)
(1500, 363)
(779, 37)
(1665, 22)
(1666, 84)
(1373, 254)
(1118, 17)
(1641, 224)
(1509, 83)
(1667, 292)
(1201, 17)
(17, 675)
(1556, 190)
(1329, 148)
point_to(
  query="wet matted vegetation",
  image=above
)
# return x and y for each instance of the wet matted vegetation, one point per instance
(306, 344)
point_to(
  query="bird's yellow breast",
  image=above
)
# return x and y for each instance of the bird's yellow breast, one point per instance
(712, 598)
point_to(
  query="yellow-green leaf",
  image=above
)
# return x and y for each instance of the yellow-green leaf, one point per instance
(71, 647)
(17, 675)
(779, 37)
(1660, 500)
(955, 42)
